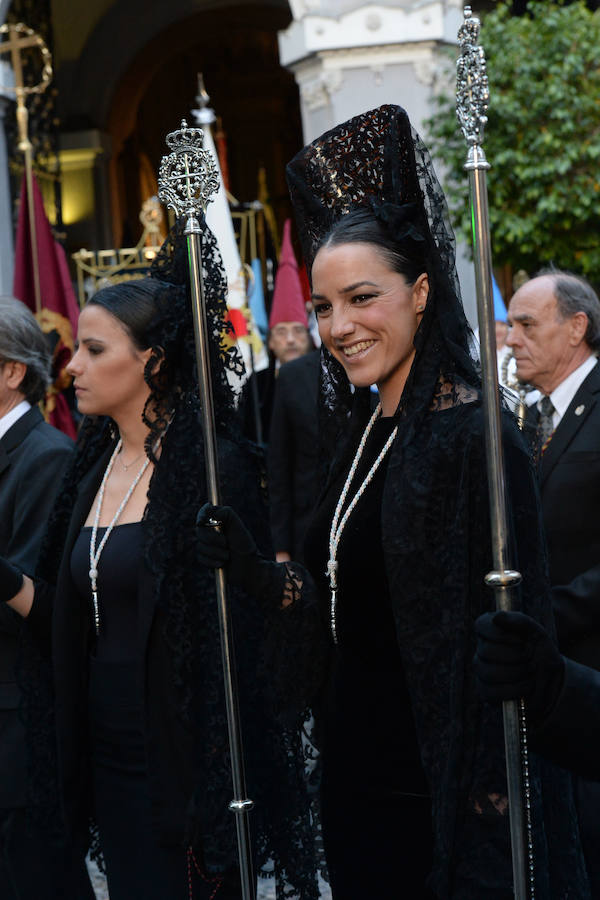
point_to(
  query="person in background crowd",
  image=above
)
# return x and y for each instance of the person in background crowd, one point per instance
(413, 788)
(555, 337)
(33, 456)
(288, 338)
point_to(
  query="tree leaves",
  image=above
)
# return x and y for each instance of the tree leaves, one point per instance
(542, 138)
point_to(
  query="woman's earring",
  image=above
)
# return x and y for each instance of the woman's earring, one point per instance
(420, 308)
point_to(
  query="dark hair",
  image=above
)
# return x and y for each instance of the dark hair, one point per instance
(133, 303)
(574, 294)
(152, 313)
(407, 257)
(22, 340)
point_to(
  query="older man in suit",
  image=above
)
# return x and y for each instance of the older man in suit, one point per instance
(33, 456)
(555, 336)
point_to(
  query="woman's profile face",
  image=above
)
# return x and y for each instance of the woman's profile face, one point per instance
(368, 316)
(108, 370)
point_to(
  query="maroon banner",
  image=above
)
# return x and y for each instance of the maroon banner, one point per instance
(60, 310)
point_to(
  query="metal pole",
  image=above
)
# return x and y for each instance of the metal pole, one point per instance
(25, 146)
(254, 399)
(472, 99)
(187, 181)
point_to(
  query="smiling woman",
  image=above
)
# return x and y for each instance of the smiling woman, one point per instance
(413, 784)
(368, 303)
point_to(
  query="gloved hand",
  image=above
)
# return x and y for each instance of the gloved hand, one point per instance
(516, 657)
(11, 580)
(231, 547)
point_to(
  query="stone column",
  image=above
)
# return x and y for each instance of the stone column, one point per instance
(349, 56)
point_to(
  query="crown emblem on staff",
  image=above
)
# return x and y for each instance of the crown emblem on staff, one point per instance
(186, 138)
(188, 176)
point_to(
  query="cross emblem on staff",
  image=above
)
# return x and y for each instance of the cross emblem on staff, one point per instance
(19, 38)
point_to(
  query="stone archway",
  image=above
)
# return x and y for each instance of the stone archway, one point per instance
(134, 91)
(236, 49)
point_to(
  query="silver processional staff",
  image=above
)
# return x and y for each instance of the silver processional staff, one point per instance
(188, 179)
(472, 96)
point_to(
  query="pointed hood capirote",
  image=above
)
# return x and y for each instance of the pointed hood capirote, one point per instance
(288, 299)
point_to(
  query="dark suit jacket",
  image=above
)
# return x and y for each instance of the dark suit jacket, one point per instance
(257, 404)
(569, 474)
(293, 453)
(33, 456)
(570, 734)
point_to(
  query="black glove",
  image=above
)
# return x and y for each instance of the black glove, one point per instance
(516, 657)
(231, 547)
(11, 580)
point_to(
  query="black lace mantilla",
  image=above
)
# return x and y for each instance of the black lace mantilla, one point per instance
(436, 523)
(378, 158)
(186, 607)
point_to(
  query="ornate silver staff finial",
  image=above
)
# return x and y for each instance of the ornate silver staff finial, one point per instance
(188, 177)
(472, 90)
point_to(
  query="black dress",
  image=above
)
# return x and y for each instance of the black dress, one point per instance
(137, 864)
(376, 808)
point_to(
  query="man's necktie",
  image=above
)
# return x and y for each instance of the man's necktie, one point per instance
(545, 426)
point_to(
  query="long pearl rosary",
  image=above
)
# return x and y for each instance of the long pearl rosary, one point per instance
(95, 554)
(337, 529)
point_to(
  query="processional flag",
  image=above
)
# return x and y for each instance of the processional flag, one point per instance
(57, 311)
(218, 219)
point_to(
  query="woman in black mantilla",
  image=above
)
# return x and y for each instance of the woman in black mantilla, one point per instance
(132, 617)
(413, 790)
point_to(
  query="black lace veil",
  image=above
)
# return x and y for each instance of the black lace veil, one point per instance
(377, 160)
(185, 592)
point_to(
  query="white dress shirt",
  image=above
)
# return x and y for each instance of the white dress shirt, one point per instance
(12, 416)
(562, 395)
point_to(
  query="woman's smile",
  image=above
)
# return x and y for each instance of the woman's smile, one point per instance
(351, 351)
(368, 315)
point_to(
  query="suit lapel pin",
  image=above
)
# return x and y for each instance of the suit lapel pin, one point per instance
(579, 409)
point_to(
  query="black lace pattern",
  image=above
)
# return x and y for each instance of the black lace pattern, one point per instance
(435, 520)
(186, 608)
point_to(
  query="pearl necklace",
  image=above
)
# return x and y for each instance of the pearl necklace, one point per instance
(336, 530)
(96, 553)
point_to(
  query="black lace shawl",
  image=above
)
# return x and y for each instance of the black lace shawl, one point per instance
(436, 525)
(185, 598)
(437, 547)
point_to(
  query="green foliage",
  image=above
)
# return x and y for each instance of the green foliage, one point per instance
(542, 138)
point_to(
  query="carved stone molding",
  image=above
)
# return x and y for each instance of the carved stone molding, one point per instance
(317, 92)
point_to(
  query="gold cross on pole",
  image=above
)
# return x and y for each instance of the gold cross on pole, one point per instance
(19, 39)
